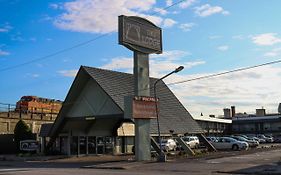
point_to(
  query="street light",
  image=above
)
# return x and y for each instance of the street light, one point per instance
(162, 156)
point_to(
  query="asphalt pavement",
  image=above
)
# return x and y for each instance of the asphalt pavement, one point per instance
(256, 161)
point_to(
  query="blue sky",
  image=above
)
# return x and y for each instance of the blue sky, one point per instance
(205, 36)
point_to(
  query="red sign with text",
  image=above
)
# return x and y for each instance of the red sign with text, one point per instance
(144, 107)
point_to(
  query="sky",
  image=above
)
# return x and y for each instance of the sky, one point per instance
(41, 50)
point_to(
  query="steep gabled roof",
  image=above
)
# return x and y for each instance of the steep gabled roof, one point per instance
(173, 115)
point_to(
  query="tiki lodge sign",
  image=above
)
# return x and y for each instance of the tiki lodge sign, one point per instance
(139, 34)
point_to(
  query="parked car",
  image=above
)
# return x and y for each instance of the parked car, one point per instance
(277, 139)
(230, 143)
(258, 139)
(211, 139)
(191, 141)
(252, 143)
(169, 145)
(267, 139)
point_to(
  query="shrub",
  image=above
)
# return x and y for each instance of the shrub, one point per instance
(22, 132)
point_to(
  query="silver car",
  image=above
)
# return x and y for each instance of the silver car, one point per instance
(224, 143)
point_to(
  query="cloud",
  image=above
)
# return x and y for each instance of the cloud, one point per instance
(4, 53)
(207, 10)
(266, 39)
(6, 28)
(168, 23)
(273, 53)
(159, 64)
(120, 63)
(126, 63)
(33, 39)
(17, 37)
(97, 16)
(169, 2)
(160, 11)
(171, 55)
(32, 75)
(68, 73)
(54, 6)
(186, 26)
(247, 90)
(215, 37)
(238, 37)
(187, 3)
(3, 30)
(223, 48)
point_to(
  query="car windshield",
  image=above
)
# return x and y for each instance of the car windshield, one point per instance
(230, 139)
(185, 139)
(242, 138)
(164, 141)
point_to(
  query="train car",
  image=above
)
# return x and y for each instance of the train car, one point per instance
(34, 104)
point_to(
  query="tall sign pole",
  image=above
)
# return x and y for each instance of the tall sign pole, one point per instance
(143, 38)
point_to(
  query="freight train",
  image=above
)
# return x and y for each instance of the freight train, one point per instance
(34, 104)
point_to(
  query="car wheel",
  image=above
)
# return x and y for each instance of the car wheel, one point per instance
(235, 147)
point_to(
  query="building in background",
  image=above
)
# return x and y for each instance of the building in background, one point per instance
(213, 126)
(34, 111)
(259, 123)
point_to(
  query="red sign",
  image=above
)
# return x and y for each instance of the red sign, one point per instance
(144, 107)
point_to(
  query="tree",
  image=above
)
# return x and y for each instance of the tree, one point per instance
(22, 132)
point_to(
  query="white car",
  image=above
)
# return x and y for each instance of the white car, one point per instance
(191, 141)
(258, 139)
(169, 145)
(267, 139)
(252, 142)
(230, 143)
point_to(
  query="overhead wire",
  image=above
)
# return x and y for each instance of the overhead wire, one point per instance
(202, 77)
(226, 72)
(74, 46)
(188, 80)
(55, 53)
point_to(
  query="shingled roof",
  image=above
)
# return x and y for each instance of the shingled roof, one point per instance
(172, 116)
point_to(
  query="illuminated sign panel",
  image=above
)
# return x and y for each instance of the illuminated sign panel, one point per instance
(139, 34)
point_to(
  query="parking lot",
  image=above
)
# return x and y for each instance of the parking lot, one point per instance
(265, 157)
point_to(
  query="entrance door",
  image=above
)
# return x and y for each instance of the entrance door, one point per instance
(92, 149)
(82, 146)
(100, 145)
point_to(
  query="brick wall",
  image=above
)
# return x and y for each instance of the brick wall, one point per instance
(8, 121)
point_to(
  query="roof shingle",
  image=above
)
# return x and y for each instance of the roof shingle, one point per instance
(172, 115)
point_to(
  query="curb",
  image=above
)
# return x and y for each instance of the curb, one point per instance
(103, 167)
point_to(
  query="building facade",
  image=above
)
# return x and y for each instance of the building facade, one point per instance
(214, 126)
(253, 124)
(92, 119)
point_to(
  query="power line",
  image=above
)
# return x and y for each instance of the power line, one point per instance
(74, 46)
(174, 4)
(188, 80)
(55, 53)
(226, 72)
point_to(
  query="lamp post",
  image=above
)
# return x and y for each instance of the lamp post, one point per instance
(162, 156)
